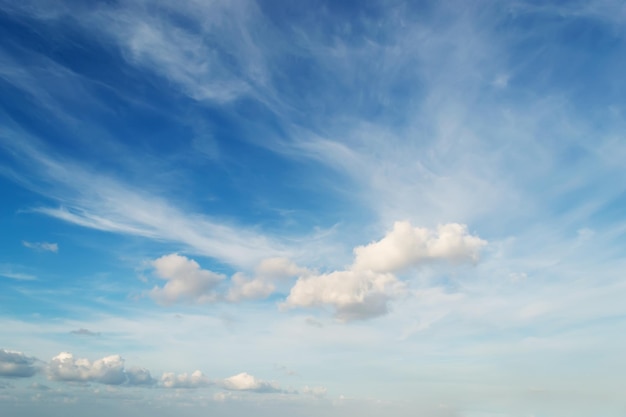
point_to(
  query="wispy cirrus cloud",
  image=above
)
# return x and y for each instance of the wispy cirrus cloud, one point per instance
(42, 246)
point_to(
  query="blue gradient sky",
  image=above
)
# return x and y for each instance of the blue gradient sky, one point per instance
(313, 208)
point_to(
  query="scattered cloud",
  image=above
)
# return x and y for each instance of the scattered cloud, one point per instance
(108, 370)
(243, 288)
(185, 380)
(16, 364)
(186, 281)
(247, 382)
(364, 290)
(406, 246)
(353, 294)
(41, 246)
(84, 332)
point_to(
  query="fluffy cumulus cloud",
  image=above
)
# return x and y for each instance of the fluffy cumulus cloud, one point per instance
(186, 281)
(247, 382)
(353, 294)
(16, 364)
(185, 380)
(406, 246)
(108, 370)
(365, 289)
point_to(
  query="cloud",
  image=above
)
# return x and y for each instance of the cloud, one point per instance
(364, 290)
(269, 272)
(84, 332)
(279, 268)
(247, 382)
(353, 294)
(108, 370)
(406, 246)
(318, 392)
(243, 288)
(139, 376)
(186, 281)
(194, 380)
(16, 364)
(42, 246)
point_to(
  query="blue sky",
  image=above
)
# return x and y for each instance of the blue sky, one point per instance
(312, 208)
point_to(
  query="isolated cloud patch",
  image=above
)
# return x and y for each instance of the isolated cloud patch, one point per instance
(185, 380)
(42, 246)
(16, 364)
(108, 370)
(406, 246)
(186, 281)
(85, 332)
(247, 382)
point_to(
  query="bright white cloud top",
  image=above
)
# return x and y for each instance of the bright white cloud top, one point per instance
(322, 208)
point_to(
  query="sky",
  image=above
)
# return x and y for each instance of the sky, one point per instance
(312, 208)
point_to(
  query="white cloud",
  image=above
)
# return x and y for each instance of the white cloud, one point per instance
(243, 288)
(267, 274)
(364, 290)
(108, 370)
(279, 268)
(42, 246)
(406, 246)
(185, 380)
(186, 281)
(353, 294)
(16, 364)
(247, 382)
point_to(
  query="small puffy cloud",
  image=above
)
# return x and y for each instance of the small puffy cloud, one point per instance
(279, 268)
(406, 246)
(185, 380)
(243, 288)
(84, 332)
(186, 281)
(139, 376)
(42, 246)
(247, 382)
(267, 273)
(16, 364)
(353, 294)
(108, 370)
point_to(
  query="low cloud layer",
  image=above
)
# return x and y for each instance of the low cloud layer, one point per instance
(111, 370)
(16, 364)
